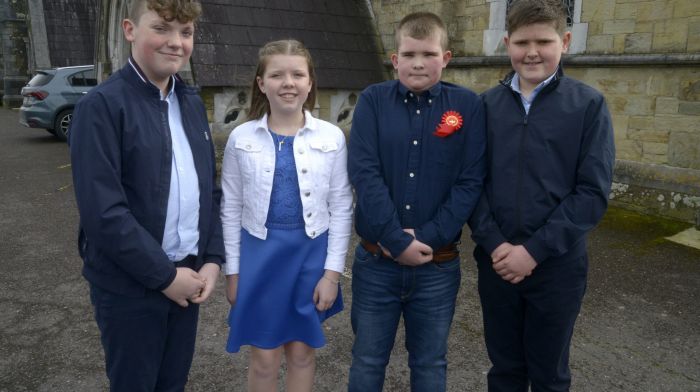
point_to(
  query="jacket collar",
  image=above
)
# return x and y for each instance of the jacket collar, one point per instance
(133, 72)
(557, 75)
(310, 123)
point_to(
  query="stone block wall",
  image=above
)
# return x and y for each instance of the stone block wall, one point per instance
(642, 26)
(466, 21)
(655, 111)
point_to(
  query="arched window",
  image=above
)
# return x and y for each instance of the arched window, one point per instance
(493, 37)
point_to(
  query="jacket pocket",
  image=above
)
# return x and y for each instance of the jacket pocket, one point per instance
(249, 155)
(323, 155)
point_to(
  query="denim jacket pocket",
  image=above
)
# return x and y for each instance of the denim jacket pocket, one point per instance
(249, 154)
(324, 154)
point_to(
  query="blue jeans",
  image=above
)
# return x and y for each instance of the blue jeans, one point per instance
(382, 291)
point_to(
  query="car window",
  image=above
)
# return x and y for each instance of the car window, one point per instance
(85, 78)
(90, 79)
(76, 79)
(41, 78)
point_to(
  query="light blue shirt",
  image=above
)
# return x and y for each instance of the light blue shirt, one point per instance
(182, 221)
(527, 101)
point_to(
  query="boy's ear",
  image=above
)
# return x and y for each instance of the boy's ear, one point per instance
(566, 40)
(446, 57)
(395, 60)
(128, 27)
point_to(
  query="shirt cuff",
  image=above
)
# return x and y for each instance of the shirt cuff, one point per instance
(230, 267)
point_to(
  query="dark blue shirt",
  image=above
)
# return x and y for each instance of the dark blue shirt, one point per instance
(407, 177)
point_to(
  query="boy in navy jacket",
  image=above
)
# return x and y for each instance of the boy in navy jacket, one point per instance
(145, 185)
(550, 156)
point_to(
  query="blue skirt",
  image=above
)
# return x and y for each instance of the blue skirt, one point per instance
(276, 283)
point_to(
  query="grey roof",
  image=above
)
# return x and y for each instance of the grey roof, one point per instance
(339, 33)
(70, 30)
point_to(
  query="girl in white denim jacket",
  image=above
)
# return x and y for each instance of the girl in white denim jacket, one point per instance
(286, 213)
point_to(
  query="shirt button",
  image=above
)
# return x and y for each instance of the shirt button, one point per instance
(308, 215)
(410, 94)
(408, 206)
(411, 175)
(430, 101)
(405, 100)
(301, 151)
(303, 171)
(247, 147)
(415, 142)
(418, 111)
(307, 194)
(313, 234)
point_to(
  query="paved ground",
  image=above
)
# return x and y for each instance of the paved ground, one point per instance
(639, 329)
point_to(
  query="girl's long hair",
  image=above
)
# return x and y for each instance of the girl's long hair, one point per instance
(259, 105)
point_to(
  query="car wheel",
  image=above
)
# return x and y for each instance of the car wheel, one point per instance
(62, 123)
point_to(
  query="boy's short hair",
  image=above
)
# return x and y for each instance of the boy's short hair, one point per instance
(527, 12)
(184, 11)
(421, 25)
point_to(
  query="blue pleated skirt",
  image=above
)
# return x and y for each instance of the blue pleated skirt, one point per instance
(276, 283)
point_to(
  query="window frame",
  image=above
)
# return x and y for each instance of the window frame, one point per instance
(493, 36)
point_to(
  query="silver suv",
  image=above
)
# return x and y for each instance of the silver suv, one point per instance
(50, 96)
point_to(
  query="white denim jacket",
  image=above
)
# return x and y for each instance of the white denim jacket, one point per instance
(247, 174)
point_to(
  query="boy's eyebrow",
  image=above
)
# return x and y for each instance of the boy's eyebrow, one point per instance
(405, 52)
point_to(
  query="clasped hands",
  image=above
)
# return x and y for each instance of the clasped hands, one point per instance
(512, 263)
(417, 253)
(192, 286)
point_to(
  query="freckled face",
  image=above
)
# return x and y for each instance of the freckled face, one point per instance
(419, 62)
(160, 48)
(535, 51)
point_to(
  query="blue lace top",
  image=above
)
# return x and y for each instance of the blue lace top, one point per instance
(285, 211)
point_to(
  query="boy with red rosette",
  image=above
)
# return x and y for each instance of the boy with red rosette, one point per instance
(550, 159)
(416, 160)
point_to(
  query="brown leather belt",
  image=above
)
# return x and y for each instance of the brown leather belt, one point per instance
(446, 253)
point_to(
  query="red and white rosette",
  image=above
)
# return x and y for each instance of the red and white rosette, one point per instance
(451, 122)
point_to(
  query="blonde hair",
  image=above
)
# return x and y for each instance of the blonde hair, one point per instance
(184, 11)
(421, 25)
(259, 105)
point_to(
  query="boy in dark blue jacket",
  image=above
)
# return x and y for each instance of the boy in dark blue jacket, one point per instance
(145, 185)
(550, 155)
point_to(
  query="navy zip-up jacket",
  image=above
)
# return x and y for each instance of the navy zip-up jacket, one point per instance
(550, 171)
(121, 158)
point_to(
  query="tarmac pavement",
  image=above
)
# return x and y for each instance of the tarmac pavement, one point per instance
(639, 329)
